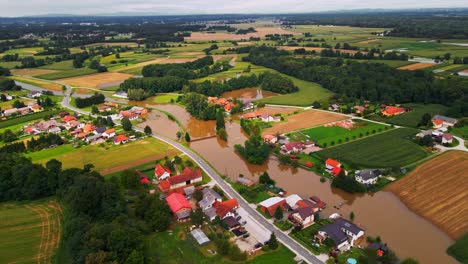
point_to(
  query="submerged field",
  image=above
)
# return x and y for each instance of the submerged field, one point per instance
(437, 190)
(106, 160)
(385, 150)
(29, 232)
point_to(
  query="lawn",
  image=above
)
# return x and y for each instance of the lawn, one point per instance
(459, 249)
(411, 119)
(105, 158)
(21, 234)
(162, 98)
(306, 235)
(328, 136)
(386, 150)
(460, 131)
(178, 246)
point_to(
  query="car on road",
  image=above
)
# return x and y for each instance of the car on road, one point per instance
(238, 218)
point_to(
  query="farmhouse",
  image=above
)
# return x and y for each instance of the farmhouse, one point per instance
(225, 103)
(121, 139)
(209, 198)
(333, 166)
(342, 232)
(443, 121)
(188, 177)
(447, 138)
(129, 115)
(109, 133)
(269, 205)
(270, 139)
(303, 216)
(69, 118)
(293, 147)
(251, 115)
(226, 208)
(368, 176)
(393, 110)
(161, 173)
(179, 206)
(10, 112)
(270, 118)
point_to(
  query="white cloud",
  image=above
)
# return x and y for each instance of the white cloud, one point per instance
(83, 7)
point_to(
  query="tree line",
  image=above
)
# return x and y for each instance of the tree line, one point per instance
(96, 98)
(375, 82)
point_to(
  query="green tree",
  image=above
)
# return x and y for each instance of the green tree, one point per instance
(94, 109)
(265, 179)
(197, 216)
(178, 135)
(148, 130)
(222, 134)
(198, 195)
(220, 123)
(351, 216)
(126, 124)
(187, 137)
(129, 179)
(278, 213)
(426, 120)
(273, 242)
(409, 261)
(18, 104)
(136, 257)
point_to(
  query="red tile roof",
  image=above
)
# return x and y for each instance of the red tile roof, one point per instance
(272, 208)
(110, 131)
(336, 171)
(187, 175)
(164, 185)
(127, 114)
(438, 122)
(177, 202)
(144, 180)
(121, 138)
(332, 162)
(223, 208)
(68, 118)
(293, 145)
(160, 170)
(393, 110)
(448, 136)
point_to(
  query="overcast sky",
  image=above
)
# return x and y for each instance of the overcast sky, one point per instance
(85, 7)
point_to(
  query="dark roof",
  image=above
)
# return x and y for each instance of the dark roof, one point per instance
(231, 221)
(445, 119)
(335, 233)
(368, 174)
(101, 130)
(304, 212)
(350, 227)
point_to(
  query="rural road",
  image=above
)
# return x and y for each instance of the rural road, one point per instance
(294, 246)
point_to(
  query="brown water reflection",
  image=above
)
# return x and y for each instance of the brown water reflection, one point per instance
(380, 214)
(161, 124)
(248, 94)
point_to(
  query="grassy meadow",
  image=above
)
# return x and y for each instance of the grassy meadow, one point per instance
(386, 150)
(411, 119)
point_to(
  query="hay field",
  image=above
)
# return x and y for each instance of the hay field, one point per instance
(167, 60)
(261, 33)
(438, 190)
(29, 233)
(31, 72)
(43, 84)
(417, 66)
(303, 120)
(96, 80)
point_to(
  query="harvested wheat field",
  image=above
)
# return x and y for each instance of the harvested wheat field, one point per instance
(46, 85)
(167, 60)
(31, 72)
(305, 119)
(261, 33)
(417, 66)
(438, 190)
(96, 80)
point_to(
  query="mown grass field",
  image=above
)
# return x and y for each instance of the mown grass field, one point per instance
(29, 232)
(411, 119)
(327, 135)
(105, 158)
(386, 150)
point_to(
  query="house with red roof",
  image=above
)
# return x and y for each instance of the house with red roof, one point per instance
(393, 110)
(161, 173)
(109, 133)
(269, 205)
(187, 177)
(331, 163)
(270, 139)
(447, 138)
(121, 139)
(292, 147)
(69, 118)
(226, 208)
(129, 115)
(144, 180)
(88, 128)
(179, 205)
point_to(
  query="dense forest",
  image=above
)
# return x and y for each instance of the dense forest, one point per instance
(375, 82)
(98, 226)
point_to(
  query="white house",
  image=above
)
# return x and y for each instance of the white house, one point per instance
(368, 176)
(303, 216)
(447, 138)
(270, 118)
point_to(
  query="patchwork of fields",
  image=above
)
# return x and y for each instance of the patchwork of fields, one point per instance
(437, 190)
(29, 232)
(385, 150)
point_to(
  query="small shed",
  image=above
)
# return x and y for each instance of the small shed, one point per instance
(201, 238)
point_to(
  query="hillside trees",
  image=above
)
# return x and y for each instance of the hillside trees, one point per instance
(97, 98)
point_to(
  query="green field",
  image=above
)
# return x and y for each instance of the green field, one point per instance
(178, 246)
(60, 66)
(104, 158)
(411, 119)
(327, 135)
(66, 73)
(385, 150)
(22, 234)
(162, 98)
(460, 131)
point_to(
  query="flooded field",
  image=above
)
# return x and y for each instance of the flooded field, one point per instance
(380, 214)
(248, 94)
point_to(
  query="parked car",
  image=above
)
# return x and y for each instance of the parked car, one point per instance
(238, 218)
(243, 222)
(246, 235)
(258, 245)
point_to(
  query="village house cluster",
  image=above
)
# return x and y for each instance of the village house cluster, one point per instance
(440, 129)
(31, 107)
(226, 104)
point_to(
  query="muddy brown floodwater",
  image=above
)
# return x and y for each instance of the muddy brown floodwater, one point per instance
(247, 94)
(382, 213)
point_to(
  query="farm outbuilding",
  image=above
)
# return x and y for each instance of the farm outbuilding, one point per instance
(201, 238)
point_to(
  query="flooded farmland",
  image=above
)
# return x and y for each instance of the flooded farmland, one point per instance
(248, 94)
(381, 214)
